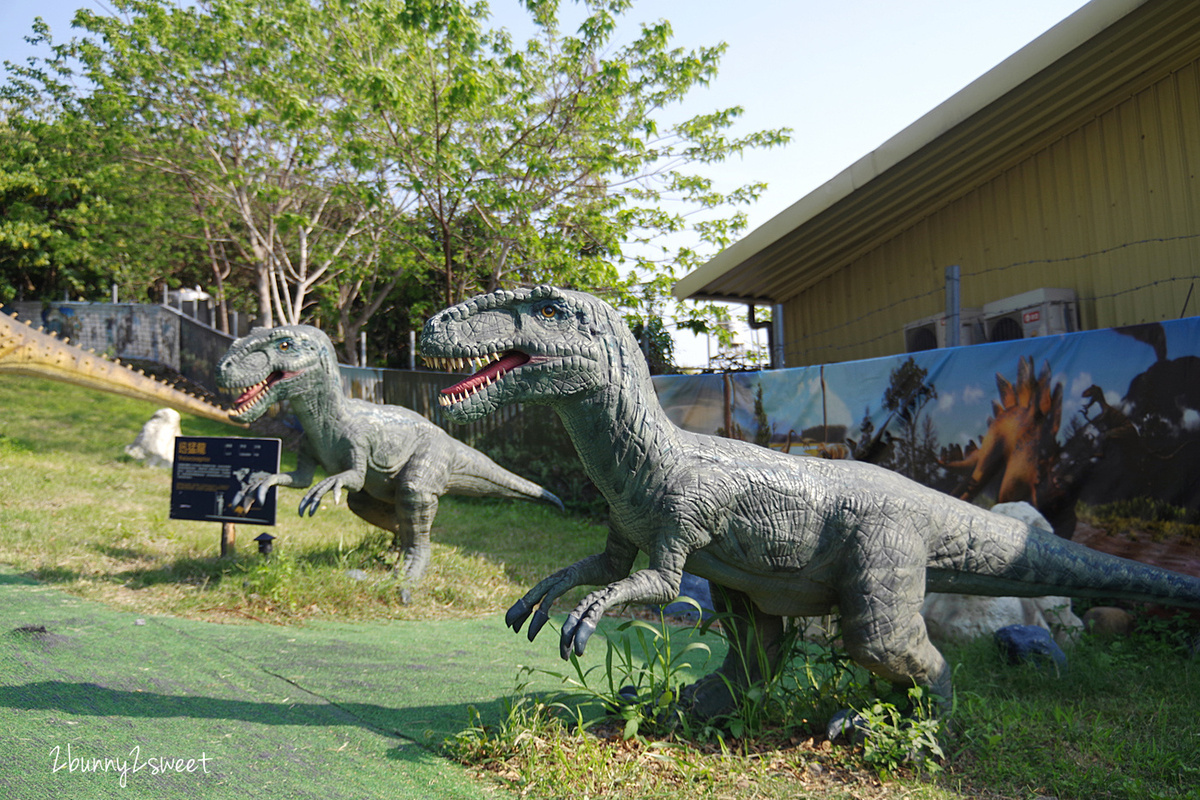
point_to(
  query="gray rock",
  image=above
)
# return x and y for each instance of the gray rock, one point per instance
(695, 588)
(847, 725)
(1028, 643)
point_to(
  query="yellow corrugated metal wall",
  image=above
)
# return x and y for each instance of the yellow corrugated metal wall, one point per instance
(1111, 210)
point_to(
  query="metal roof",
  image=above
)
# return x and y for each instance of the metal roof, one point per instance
(1099, 55)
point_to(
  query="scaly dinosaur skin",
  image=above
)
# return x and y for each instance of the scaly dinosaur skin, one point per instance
(782, 535)
(25, 350)
(394, 463)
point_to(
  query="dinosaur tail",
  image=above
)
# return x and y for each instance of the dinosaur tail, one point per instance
(1033, 563)
(25, 350)
(479, 476)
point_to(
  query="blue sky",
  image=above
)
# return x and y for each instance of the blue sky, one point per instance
(845, 76)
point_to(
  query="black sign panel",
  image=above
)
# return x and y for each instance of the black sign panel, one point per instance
(209, 472)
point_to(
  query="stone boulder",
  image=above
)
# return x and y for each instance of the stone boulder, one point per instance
(1108, 622)
(155, 445)
(1020, 644)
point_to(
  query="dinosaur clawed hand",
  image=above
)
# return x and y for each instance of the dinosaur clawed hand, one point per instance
(258, 488)
(576, 631)
(517, 614)
(312, 498)
(520, 612)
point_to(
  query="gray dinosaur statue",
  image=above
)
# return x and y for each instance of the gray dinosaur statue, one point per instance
(781, 535)
(393, 462)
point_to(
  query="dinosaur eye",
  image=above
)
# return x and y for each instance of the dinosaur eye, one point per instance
(285, 345)
(549, 312)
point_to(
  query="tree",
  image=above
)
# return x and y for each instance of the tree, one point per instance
(656, 343)
(344, 151)
(906, 397)
(74, 218)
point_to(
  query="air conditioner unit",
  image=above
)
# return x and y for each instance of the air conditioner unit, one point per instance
(1041, 312)
(929, 333)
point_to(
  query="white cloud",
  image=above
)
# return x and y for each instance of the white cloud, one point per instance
(973, 394)
(1081, 381)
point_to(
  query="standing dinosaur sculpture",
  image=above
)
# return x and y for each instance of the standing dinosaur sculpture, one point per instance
(25, 350)
(392, 461)
(781, 535)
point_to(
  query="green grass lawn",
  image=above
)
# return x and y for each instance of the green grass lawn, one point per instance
(77, 514)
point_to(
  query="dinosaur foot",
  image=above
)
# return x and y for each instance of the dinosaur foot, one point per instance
(402, 586)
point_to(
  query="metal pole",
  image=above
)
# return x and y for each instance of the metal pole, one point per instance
(362, 349)
(953, 306)
(412, 350)
(777, 339)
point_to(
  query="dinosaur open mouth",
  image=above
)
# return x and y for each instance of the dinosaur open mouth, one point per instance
(251, 395)
(491, 372)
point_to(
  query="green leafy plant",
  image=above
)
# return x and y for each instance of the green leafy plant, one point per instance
(813, 680)
(895, 740)
(640, 683)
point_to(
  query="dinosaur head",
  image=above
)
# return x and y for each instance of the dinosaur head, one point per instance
(539, 345)
(272, 364)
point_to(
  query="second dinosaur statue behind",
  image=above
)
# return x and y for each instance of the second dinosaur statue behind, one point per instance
(393, 462)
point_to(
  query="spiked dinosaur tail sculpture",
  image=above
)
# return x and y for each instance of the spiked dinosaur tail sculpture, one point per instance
(782, 535)
(25, 350)
(393, 462)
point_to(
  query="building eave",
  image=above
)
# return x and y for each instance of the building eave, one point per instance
(1051, 86)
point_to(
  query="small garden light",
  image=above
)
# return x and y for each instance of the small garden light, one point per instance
(264, 540)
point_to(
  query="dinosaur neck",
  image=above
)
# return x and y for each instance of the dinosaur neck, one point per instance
(621, 432)
(320, 406)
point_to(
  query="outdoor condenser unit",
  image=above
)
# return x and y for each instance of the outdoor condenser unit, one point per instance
(929, 333)
(1041, 312)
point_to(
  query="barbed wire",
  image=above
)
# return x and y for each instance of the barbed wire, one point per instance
(1002, 268)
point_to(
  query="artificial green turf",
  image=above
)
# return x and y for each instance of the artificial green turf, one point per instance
(123, 694)
(326, 710)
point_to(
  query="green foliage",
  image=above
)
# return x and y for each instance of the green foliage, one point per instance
(814, 680)
(535, 444)
(337, 159)
(896, 740)
(640, 684)
(656, 343)
(53, 203)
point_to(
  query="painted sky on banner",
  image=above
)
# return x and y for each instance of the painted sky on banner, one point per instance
(965, 379)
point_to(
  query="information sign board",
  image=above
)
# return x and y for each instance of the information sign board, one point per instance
(209, 471)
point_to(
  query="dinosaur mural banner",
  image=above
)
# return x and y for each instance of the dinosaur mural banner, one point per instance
(1096, 417)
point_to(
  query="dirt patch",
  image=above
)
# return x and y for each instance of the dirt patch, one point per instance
(1178, 554)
